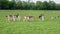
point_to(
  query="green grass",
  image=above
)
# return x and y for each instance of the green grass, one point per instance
(35, 26)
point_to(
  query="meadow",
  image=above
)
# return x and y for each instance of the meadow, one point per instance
(35, 26)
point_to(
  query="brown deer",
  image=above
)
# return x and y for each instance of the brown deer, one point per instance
(10, 17)
(27, 18)
(42, 17)
(17, 17)
(13, 17)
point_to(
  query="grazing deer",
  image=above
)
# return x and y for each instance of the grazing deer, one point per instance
(55, 17)
(52, 17)
(17, 17)
(27, 18)
(10, 18)
(42, 17)
(13, 17)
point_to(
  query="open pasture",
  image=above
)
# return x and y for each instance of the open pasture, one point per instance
(35, 26)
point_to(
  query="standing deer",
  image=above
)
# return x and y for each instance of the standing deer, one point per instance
(17, 17)
(42, 17)
(13, 17)
(10, 18)
(27, 18)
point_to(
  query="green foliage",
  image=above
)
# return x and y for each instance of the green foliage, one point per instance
(45, 5)
(58, 7)
(22, 5)
(52, 5)
(39, 5)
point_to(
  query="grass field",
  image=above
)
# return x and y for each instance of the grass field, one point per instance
(35, 26)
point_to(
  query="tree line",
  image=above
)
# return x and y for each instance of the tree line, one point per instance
(23, 5)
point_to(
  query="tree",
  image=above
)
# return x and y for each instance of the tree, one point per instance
(45, 5)
(4, 4)
(13, 4)
(52, 5)
(32, 6)
(57, 7)
(39, 5)
(19, 5)
(24, 5)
